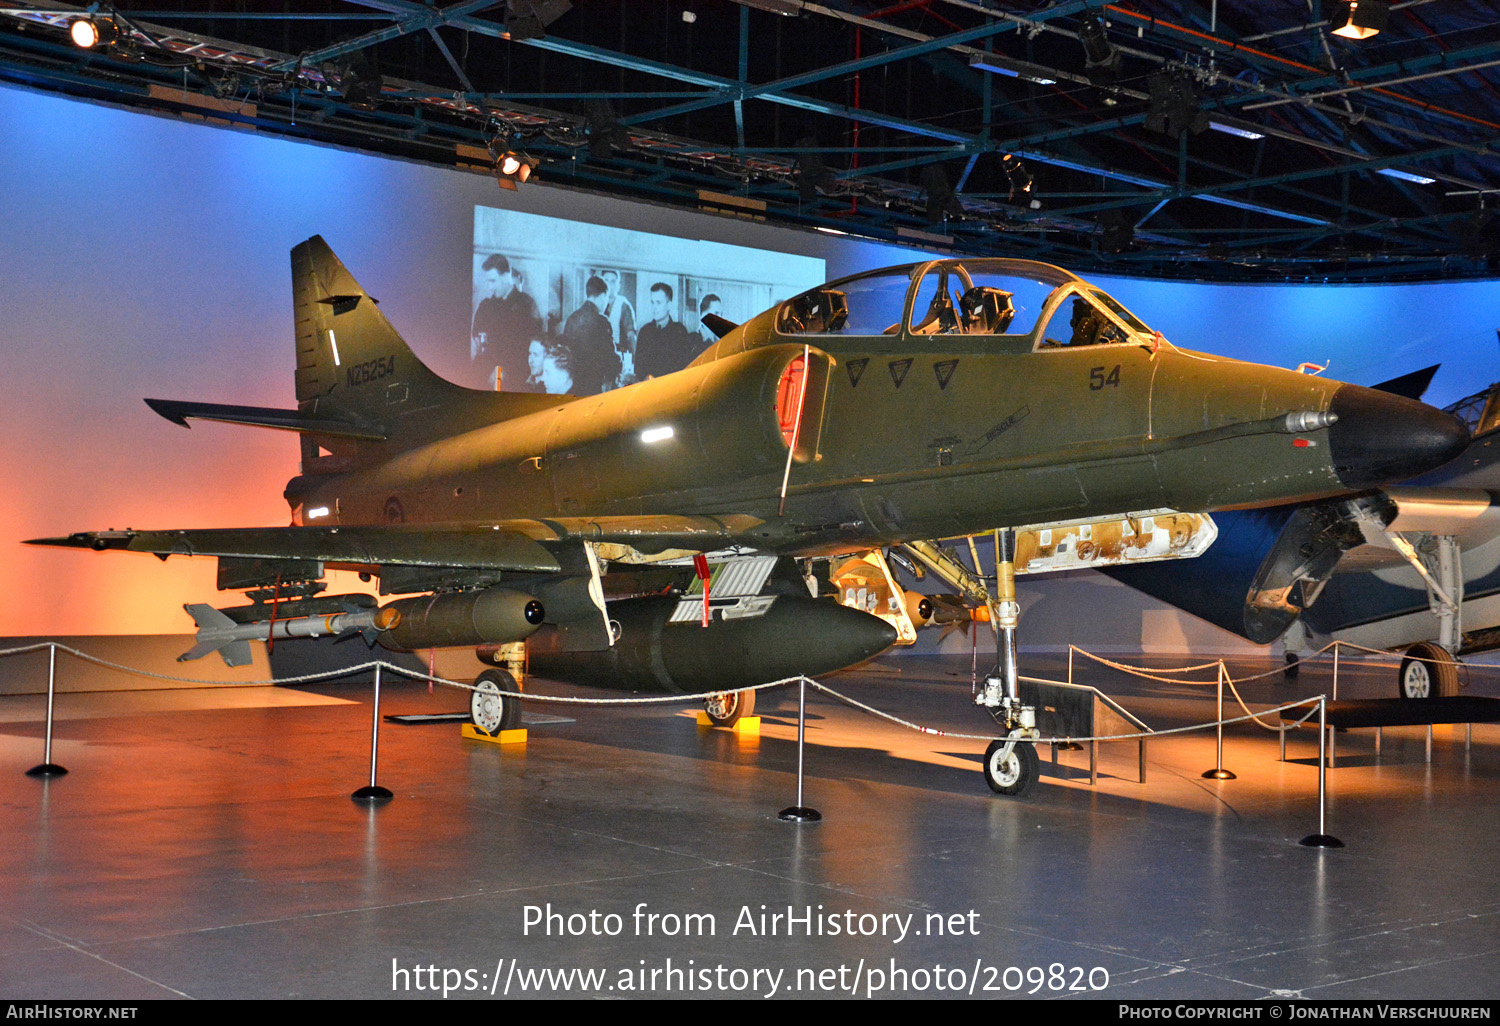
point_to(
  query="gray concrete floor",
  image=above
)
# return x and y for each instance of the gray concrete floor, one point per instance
(207, 847)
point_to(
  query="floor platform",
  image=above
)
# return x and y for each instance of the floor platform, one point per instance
(210, 849)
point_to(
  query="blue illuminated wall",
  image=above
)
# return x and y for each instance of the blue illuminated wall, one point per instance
(147, 256)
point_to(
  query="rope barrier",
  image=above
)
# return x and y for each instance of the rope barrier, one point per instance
(661, 699)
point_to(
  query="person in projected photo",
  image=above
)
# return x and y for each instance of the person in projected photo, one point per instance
(662, 344)
(708, 305)
(557, 370)
(536, 352)
(621, 316)
(505, 321)
(596, 365)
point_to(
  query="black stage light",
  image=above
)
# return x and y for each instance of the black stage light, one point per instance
(1016, 174)
(1118, 231)
(360, 80)
(606, 134)
(1101, 61)
(813, 176)
(1174, 106)
(1360, 19)
(89, 32)
(941, 200)
(513, 168)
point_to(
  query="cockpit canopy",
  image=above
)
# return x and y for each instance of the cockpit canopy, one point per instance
(1020, 300)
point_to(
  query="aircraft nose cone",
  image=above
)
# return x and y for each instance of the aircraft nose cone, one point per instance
(1380, 438)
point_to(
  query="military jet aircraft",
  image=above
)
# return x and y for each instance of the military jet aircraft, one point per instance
(1414, 567)
(668, 535)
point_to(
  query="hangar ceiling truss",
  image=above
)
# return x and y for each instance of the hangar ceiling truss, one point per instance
(1172, 138)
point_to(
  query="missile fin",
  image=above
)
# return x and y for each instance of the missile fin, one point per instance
(236, 653)
(206, 616)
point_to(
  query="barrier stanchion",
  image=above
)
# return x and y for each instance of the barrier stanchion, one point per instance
(1322, 839)
(48, 768)
(1335, 670)
(800, 813)
(373, 792)
(1219, 772)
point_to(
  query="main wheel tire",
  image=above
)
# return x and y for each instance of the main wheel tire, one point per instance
(726, 708)
(1293, 666)
(490, 706)
(1428, 671)
(1015, 773)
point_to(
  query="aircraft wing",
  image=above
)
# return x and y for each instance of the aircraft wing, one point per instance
(364, 546)
(514, 546)
(1471, 516)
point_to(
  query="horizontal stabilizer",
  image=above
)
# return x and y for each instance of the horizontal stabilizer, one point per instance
(720, 326)
(259, 416)
(1412, 386)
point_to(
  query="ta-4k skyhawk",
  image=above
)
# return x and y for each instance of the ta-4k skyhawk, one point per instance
(677, 534)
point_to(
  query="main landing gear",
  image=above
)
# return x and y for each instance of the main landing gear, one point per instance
(1428, 671)
(490, 705)
(726, 708)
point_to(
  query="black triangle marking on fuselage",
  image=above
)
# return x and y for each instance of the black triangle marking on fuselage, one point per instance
(944, 371)
(899, 369)
(856, 371)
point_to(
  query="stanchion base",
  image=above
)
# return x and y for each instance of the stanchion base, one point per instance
(1321, 841)
(799, 814)
(1218, 774)
(46, 769)
(372, 793)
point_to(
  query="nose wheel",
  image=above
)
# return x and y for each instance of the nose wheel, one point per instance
(1011, 767)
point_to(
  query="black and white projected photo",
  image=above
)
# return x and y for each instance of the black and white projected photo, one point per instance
(567, 307)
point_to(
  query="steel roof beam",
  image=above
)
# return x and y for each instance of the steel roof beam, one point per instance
(747, 92)
(413, 21)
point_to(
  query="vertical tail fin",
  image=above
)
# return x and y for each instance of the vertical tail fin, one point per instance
(354, 367)
(351, 363)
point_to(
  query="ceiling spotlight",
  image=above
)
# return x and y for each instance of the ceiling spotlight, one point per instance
(813, 176)
(605, 133)
(1174, 106)
(91, 32)
(1117, 231)
(1101, 61)
(360, 81)
(1016, 174)
(1360, 19)
(513, 168)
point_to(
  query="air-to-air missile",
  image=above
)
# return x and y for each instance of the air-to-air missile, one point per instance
(217, 632)
(895, 408)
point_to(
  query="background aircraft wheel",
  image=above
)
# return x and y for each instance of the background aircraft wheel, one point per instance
(489, 707)
(1428, 671)
(726, 708)
(1014, 774)
(1293, 666)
